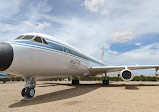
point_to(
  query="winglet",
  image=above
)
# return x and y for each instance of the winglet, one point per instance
(102, 55)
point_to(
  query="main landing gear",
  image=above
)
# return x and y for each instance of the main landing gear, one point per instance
(75, 81)
(4, 81)
(105, 81)
(28, 91)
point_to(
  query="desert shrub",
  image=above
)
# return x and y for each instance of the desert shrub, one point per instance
(114, 78)
(82, 78)
(145, 78)
(95, 78)
(18, 78)
(8, 79)
(136, 78)
(60, 79)
(13, 79)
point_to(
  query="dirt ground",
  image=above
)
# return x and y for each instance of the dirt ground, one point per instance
(87, 97)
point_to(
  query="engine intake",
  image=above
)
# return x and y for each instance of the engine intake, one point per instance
(126, 75)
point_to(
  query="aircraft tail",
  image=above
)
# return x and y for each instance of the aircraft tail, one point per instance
(102, 55)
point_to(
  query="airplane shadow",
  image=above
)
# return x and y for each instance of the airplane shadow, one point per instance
(127, 86)
(72, 92)
(131, 87)
(58, 95)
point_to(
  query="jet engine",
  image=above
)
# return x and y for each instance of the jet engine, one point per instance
(126, 75)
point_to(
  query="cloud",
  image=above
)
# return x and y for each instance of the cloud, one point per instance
(122, 36)
(137, 44)
(6, 27)
(9, 8)
(29, 24)
(104, 13)
(44, 6)
(38, 26)
(111, 52)
(144, 55)
(94, 5)
(43, 25)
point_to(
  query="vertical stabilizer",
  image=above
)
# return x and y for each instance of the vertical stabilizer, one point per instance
(102, 55)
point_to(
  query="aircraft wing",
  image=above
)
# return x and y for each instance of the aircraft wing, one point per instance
(107, 69)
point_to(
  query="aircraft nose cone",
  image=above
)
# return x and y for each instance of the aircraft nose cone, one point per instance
(6, 56)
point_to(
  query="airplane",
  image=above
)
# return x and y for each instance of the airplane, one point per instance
(4, 77)
(34, 55)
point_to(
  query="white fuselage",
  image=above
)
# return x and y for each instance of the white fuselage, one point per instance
(35, 59)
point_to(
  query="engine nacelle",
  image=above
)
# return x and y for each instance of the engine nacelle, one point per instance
(126, 75)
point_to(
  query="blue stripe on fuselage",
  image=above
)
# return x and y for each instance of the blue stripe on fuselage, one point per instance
(54, 46)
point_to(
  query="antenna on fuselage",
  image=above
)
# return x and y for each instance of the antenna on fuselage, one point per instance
(102, 55)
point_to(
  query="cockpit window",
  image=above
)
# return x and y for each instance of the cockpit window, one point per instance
(44, 41)
(32, 38)
(38, 39)
(19, 37)
(28, 37)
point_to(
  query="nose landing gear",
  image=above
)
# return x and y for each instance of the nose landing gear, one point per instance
(28, 91)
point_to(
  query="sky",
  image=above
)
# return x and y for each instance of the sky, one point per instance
(128, 29)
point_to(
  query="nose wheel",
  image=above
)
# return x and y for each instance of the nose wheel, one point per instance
(28, 91)
(23, 93)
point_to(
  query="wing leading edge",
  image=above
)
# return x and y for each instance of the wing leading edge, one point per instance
(107, 69)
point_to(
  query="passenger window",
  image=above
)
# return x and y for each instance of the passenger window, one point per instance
(38, 39)
(44, 41)
(28, 37)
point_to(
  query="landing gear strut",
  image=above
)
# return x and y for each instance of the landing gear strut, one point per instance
(28, 91)
(75, 81)
(105, 81)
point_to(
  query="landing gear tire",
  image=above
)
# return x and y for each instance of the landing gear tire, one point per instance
(4, 80)
(105, 82)
(75, 82)
(28, 92)
(23, 92)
